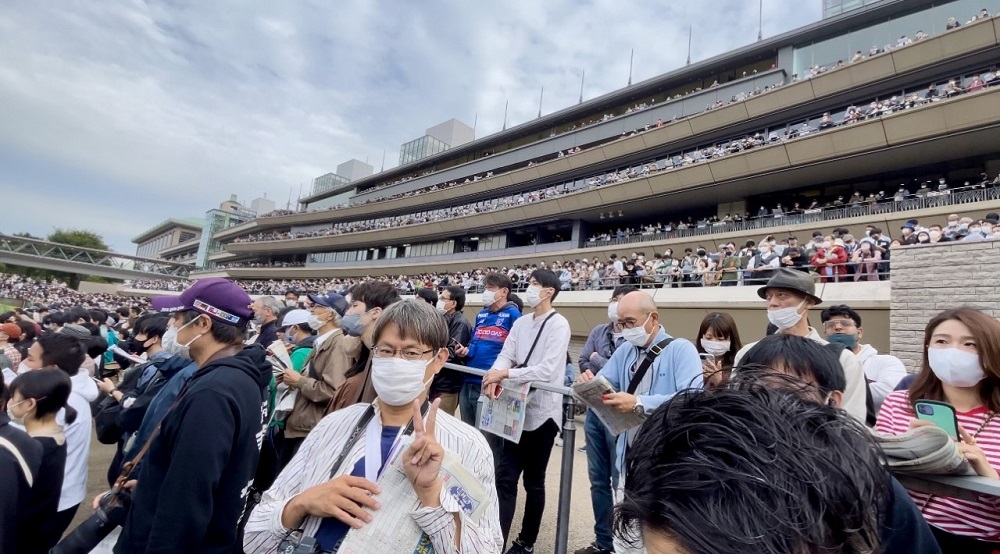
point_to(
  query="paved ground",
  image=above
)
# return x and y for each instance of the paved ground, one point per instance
(581, 515)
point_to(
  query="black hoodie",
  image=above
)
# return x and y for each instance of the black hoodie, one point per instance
(193, 482)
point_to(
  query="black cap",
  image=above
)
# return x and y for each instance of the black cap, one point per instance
(332, 300)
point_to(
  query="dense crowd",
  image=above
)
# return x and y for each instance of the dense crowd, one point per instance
(804, 405)
(57, 294)
(849, 115)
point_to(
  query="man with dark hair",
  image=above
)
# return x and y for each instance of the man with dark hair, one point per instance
(448, 383)
(535, 351)
(604, 339)
(675, 500)
(493, 325)
(428, 295)
(193, 481)
(842, 325)
(58, 350)
(292, 298)
(812, 372)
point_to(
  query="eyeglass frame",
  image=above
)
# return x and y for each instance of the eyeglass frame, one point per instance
(416, 354)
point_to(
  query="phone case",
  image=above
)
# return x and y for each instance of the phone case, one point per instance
(941, 414)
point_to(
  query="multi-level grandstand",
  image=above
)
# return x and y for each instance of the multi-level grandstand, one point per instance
(777, 136)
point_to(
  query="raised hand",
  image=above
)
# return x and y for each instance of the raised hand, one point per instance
(422, 460)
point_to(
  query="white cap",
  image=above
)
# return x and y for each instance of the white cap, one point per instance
(295, 317)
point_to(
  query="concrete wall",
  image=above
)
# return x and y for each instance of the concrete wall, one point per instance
(929, 279)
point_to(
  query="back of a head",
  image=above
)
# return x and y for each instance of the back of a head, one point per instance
(62, 351)
(798, 476)
(374, 294)
(50, 388)
(427, 295)
(807, 360)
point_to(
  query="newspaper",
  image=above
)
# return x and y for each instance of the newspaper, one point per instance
(130, 357)
(592, 394)
(504, 416)
(277, 355)
(392, 528)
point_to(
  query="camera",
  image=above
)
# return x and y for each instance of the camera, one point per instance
(110, 514)
(925, 409)
(295, 543)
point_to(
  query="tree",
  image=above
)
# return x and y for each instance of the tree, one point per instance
(78, 237)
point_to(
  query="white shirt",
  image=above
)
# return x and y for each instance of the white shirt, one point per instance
(883, 372)
(322, 338)
(314, 460)
(74, 487)
(547, 363)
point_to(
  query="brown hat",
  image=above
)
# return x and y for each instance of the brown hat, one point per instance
(12, 331)
(790, 279)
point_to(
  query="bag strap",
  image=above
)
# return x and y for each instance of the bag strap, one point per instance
(651, 354)
(352, 438)
(534, 343)
(20, 460)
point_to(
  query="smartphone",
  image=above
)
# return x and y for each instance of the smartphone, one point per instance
(941, 414)
(707, 358)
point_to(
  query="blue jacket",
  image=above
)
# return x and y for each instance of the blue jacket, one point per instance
(177, 371)
(488, 335)
(602, 341)
(676, 369)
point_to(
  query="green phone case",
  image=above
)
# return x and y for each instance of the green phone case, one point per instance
(940, 414)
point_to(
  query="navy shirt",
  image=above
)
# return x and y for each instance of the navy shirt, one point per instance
(332, 531)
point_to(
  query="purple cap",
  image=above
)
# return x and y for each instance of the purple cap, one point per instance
(332, 300)
(221, 299)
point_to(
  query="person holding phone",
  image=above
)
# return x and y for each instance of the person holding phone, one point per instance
(960, 367)
(717, 344)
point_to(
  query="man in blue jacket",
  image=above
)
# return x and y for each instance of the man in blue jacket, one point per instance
(677, 368)
(493, 324)
(193, 481)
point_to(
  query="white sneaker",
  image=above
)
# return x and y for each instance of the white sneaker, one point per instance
(559, 442)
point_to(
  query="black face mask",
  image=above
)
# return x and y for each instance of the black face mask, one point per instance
(139, 346)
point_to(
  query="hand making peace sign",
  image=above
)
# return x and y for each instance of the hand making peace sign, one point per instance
(422, 460)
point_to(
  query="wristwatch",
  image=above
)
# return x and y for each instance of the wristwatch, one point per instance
(638, 409)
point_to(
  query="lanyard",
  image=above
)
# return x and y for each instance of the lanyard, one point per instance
(373, 449)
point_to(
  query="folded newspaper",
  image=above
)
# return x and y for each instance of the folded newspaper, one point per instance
(924, 450)
(592, 394)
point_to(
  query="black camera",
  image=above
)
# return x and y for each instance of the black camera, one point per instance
(295, 543)
(111, 513)
(925, 409)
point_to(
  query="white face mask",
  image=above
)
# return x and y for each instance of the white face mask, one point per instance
(715, 347)
(397, 381)
(441, 306)
(532, 296)
(785, 318)
(23, 368)
(315, 323)
(955, 367)
(613, 311)
(637, 336)
(489, 297)
(172, 347)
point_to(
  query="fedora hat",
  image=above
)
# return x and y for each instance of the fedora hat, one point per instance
(790, 279)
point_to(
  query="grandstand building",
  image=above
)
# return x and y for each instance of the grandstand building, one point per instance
(879, 96)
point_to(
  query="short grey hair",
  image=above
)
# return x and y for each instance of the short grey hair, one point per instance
(416, 320)
(271, 303)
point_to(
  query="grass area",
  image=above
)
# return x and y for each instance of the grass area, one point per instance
(6, 308)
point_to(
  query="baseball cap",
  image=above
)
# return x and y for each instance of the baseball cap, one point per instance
(332, 300)
(295, 317)
(220, 299)
(12, 331)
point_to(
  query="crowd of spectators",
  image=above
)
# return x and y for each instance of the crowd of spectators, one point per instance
(56, 294)
(851, 114)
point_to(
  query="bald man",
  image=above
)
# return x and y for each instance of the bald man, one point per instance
(676, 368)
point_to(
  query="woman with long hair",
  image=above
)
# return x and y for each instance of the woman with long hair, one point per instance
(718, 337)
(35, 399)
(961, 366)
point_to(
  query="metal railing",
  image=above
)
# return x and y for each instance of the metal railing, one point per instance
(91, 256)
(569, 444)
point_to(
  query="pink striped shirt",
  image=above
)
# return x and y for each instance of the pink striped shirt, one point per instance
(981, 519)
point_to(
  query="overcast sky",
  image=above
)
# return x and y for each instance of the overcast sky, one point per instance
(117, 114)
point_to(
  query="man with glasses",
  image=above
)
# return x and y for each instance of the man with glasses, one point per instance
(842, 325)
(535, 351)
(409, 347)
(676, 368)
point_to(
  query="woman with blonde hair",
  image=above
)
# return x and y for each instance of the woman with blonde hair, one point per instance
(960, 366)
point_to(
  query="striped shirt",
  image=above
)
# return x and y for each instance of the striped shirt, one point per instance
(980, 520)
(312, 464)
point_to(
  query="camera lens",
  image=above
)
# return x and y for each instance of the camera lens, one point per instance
(925, 409)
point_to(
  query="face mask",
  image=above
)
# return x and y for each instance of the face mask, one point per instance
(785, 318)
(907, 231)
(441, 306)
(532, 296)
(613, 311)
(715, 347)
(489, 297)
(827, 245)
(849, 341)
(637, 336)
(314, 322)
(23, 368)
(258, 320)
(397, 381)
(14, 418)
(955, 367)
(351, 324)
(952, 223)
(172, 347)
(139, 346)
(287, 338)
(291, 303)
(975, 230)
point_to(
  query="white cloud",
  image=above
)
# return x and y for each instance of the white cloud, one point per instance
(170, 108)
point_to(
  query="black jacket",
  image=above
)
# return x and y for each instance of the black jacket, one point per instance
(268, 333)
(15, 490)
(194, 479)
(449, 380)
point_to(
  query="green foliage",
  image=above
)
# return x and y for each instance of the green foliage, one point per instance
(78, 237)
(73, 237)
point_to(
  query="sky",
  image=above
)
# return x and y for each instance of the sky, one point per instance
(118, 114)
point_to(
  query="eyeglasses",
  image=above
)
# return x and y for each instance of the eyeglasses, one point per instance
(834, 323)
(630, 323)
(408, 354)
